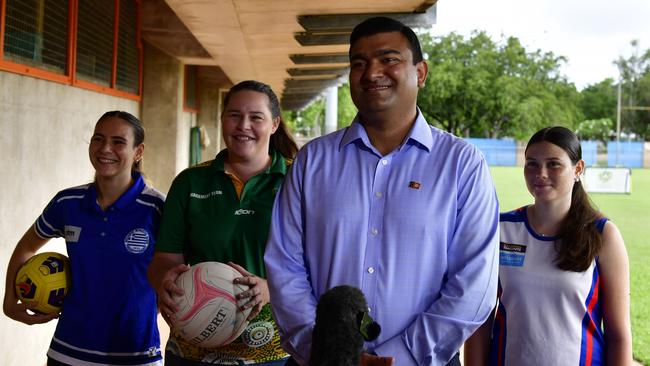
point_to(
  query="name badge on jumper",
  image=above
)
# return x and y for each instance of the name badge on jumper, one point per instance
(512, 254)
(72, 233)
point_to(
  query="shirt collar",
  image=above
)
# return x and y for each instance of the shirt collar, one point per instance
(278, 163)
(125, 200)
(420, 134)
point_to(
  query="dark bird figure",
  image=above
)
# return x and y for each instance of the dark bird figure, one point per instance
(342, 325)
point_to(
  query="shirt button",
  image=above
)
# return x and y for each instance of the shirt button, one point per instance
(369, 309)
(374, 232)
(378, 194)
(384, 162)
(103, 234)
(371, 270)
(105, 219)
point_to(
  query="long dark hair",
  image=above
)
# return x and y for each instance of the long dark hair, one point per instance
(580, 242)
(136, 127)
(281, 139)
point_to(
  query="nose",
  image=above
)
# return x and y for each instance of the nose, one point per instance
(105, 146)
(372, 71)
(541, 172)
(244, 122)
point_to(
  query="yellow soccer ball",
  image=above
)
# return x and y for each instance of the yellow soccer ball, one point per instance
(44, 279)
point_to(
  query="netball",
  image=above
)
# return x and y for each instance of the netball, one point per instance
(210, 314)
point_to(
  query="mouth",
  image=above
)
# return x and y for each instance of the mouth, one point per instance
(375, 88)
(106, 161)
(243, 138)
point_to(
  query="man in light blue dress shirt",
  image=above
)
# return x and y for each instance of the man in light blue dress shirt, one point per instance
(402, 210)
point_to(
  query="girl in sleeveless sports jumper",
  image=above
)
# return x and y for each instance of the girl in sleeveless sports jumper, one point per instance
(564, 289)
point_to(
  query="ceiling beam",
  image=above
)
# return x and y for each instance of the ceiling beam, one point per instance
(318, 71)
(320, 58)
(347, 22)
(321, 39)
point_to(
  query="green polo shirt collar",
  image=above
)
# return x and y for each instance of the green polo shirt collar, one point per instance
(278, 163)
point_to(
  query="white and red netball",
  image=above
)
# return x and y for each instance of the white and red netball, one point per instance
(210, 314)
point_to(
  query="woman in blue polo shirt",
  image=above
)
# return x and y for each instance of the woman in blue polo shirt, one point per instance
(109, 314)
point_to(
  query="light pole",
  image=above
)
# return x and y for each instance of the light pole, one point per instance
(618, 123)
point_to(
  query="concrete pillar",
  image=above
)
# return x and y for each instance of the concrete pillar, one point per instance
(209, 119)
(331, 109)
(162, 117)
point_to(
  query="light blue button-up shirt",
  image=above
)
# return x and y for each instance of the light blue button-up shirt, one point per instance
(416, 230)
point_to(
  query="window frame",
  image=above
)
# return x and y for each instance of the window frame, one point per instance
(69, 76)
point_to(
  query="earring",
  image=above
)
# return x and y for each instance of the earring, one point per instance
(577, 179)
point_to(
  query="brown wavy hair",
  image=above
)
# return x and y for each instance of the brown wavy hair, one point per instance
(580, 241)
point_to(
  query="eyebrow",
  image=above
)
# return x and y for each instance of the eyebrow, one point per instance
(110, 137)
(380, 52)
(547, 159)
(239, 111)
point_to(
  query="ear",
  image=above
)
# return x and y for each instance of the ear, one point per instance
(139, 152)
(276, 124)
(579, 168)
(422, 70)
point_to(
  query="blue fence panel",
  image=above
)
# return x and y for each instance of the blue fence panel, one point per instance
(589, 152)
(630, 154)
(497, 152)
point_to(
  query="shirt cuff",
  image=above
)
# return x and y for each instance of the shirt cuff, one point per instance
(397, 349)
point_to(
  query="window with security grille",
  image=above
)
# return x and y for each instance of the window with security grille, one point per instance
(36, 33)
(128, 50)
(95, 36)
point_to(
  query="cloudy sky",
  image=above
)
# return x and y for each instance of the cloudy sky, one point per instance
(591, 34)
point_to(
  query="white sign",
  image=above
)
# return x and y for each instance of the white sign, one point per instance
(607, 180)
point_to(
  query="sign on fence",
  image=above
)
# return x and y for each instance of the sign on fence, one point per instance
(607, 180)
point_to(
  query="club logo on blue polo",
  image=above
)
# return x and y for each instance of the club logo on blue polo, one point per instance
(137, 241)
(512, 255)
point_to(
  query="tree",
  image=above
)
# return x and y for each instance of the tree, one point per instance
(304, 121)
(598, 100)
(595, 129)
(346, 108)
(477, 87)
(307, 121)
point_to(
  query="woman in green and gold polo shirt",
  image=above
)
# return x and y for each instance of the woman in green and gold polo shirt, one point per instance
(221, 211)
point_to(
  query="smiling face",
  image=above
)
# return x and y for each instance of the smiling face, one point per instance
(383, 76)
(549, 172)
(247, 125)
(112, 151)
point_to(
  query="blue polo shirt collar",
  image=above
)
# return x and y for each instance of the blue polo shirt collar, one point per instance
(125, 200)
(419, 135)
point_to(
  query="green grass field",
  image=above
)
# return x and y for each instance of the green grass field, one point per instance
(631, 213)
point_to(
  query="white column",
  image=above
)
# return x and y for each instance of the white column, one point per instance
(331, 107)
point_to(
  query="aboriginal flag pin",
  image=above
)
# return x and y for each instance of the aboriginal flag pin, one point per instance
(414, 185)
